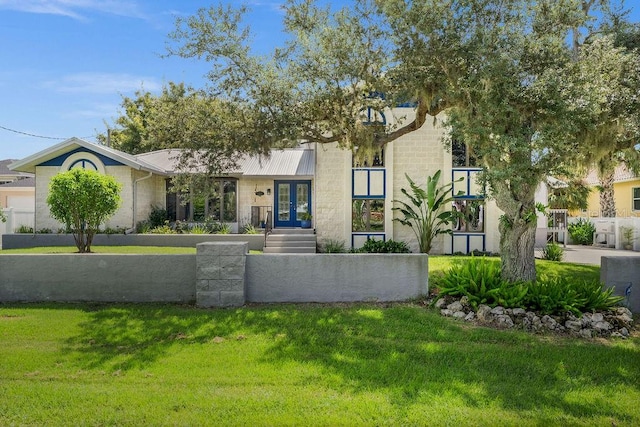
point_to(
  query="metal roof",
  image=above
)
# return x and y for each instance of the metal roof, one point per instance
(291, 162)
(286, 162)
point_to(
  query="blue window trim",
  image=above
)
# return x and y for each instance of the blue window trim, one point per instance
(367, 235)
(368, 195)
(369, 115)
(468, 240)
(58, 161)
(83, 161)
(468, 172)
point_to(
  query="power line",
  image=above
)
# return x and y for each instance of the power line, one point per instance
(41, 136)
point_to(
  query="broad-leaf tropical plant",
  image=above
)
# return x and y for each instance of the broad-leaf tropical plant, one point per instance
(82, 200)
(428, 211)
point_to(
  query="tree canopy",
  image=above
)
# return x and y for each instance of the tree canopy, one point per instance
(515, 77)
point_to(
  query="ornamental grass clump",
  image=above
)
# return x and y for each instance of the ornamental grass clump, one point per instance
(553, 252)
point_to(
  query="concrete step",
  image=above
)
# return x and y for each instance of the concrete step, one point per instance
(289, 250)
(297, 242)
(291, 244)
(291, 238)
(279, 231)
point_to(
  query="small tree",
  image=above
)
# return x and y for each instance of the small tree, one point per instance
(429, 213)
(82, 200)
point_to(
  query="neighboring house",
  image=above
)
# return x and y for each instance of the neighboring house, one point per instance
(626, 190)
(17, 189)
(349, 202)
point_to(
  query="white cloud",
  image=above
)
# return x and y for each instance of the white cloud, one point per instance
(76, 9)
(103, 83)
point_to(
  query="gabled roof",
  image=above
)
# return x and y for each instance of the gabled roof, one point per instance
(5, 171)
(287, 162)
(28, 164)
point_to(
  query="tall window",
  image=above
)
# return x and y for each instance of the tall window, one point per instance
(461, 155)
(368, 215)
(636, 199)
(223, 205)
(471, 215)
(220, 205)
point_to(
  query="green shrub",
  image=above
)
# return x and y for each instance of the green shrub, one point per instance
(44, 231)
(475, 278)
(581, 231)
(554, 295)
(249, 229)
(110, 230)
(596, 297)
(331, 246)
(24, 229)
(553, 252)
(223, 229)
(198, 229)
(143, 227)
(374, 246)
(157, 216)
(163, 229)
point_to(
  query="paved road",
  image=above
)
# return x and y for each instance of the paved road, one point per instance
(591, 254)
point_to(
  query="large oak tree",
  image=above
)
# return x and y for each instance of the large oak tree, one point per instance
(513, 77)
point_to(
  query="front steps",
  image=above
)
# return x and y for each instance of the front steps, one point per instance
(291, 241)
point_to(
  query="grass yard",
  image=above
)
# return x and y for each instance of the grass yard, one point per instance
(439, 264)
(365, 364)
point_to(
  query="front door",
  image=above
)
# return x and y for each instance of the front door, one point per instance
(293, 198)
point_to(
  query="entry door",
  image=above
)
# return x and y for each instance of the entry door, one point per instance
(293, 198)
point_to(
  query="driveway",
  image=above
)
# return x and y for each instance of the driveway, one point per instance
(591, 254)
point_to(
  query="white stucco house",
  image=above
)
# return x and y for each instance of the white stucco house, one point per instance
(349, 202)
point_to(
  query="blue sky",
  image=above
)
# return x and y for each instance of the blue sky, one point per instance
(65, 64)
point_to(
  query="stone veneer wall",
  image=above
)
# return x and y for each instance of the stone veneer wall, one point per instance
(247, 188)
(332, 191)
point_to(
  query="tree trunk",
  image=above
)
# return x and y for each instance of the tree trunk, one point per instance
(607, 201)
(517, 243)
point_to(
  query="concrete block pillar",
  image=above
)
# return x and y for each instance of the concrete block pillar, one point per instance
(220, 274)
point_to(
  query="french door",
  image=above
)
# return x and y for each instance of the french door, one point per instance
(292, 199)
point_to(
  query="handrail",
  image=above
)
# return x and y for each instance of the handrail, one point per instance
(267, 226)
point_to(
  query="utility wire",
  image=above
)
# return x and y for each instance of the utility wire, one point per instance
(41, 136)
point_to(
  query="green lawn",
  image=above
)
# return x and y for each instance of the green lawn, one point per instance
(327, 365)
(366, 364)
(439, 264)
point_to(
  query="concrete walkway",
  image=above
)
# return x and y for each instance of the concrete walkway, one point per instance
(590, 254)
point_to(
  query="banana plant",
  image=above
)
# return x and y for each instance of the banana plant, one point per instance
(429, 211)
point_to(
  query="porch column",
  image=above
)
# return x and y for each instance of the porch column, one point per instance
(220, 274)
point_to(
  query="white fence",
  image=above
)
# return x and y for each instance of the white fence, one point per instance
(609, 233)
(16, 218)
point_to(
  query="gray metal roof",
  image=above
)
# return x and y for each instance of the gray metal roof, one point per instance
(286, 162)
(290, 162)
